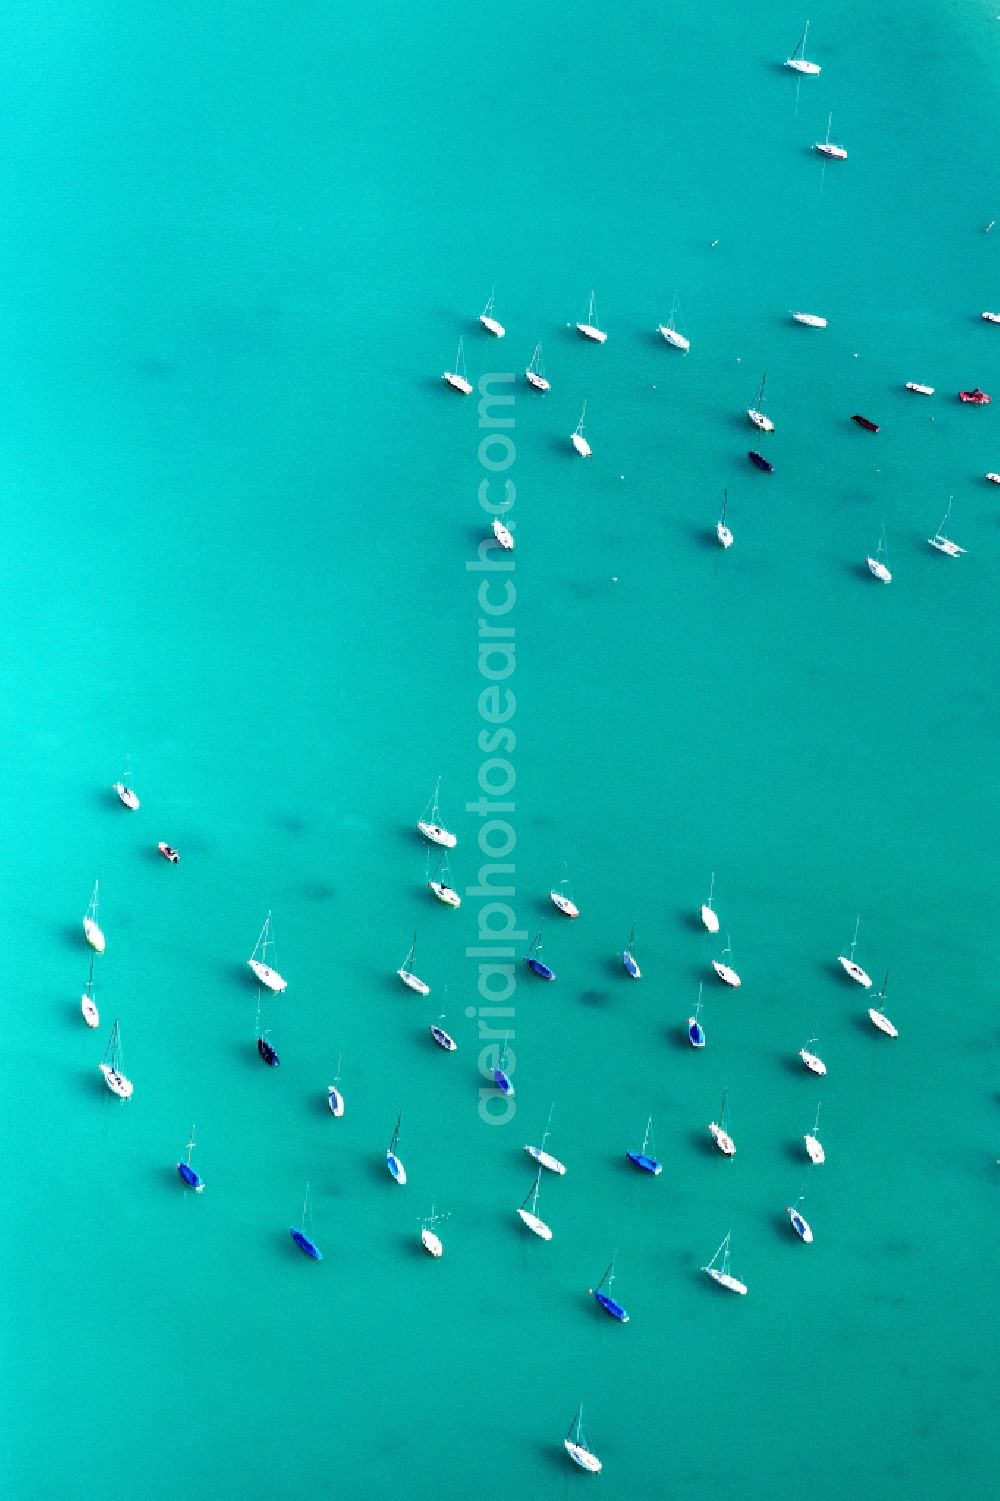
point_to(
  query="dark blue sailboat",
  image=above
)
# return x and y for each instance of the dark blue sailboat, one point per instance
(267, 1053)
(696, 1032)
(186, 1171)
(306, 1246)
(645, 1161)
(533, 958)
(610, 1305)
(500, 1078)
(629, 960)
(760, 462)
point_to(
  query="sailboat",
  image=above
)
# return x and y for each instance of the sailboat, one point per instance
(798, 62)
(877, 1016)
(812, 1061)
(563, 902)
(503, 533)
(187, 1173)
(645, 1159)
(670, 333)
(502, 1079)
(533, 958)
(576, 1446)
(814, 1147)
(334, 1099)
(854, 970)
(392, 1162)
(718, 1132)
(405, 973)
(799, 1222)
(430, 825)
(722, 1275)
(629, 960)
(535, 372)
(301, 1239)
(92, 931)
(589, 329)
(709, 916)
(610, 1305)
(264, 972)
(696, 1032)
(530, 1216)
(87, 1003)
(126, 794)
(577, 439)
(442, 1038)
(457, 378)
(725, 972)
(488, 321)
(876, 565)
(756, 412)
(811, 320)
(429, 1238)
(441, 888)
(827, 148)
(265, 1051)
(113, 1068)
(941, 542)
(722, 531)
(541, 1156)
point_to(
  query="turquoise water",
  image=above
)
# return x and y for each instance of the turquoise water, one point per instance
(239, 249)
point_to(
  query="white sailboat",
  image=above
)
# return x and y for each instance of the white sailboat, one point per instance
(441, 1037)
(799, 1222)
(814, 1147)
(877, 1016)
(503, 533)
(717, 1130)
(266, 973)
(669, 332)
(430, 825)
(535, 372)
(488, 321)
(405, 973)
(709, 916)
(941, 542)
(92, 930)
(812, 1061)
(721, 1274)
(797, 62)
(827, 148)
(563, 901)
(127, 795)
(756, 413)
(725, 972)
(722, 531)
(589, 329)
(541, 1156)
(429, 1238)
(877, 565)
(440, 886)
(577, 439)
(575, 1445)
(457, 378)
(113, 1067)
(87, 1003)
(529, 1217)
(811, 320)
(334, 1098)
(854, 970)
(630, 962)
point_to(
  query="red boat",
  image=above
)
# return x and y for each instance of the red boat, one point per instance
(865, 422)
(976, 397)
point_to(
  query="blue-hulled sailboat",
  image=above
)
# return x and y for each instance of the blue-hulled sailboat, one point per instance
(645, 1160)
(629, 960)
(306, 1246)
(500, 1078)
(533, 958)
(696, 1032)
(392, 1162)
(610, 1305)
(186, 1171)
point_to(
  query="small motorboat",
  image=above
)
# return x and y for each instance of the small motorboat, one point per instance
(126, 796)
(503, 535)
(168, 852)
(811, 320)
(759, 462)
(812, 1061)
(921, 390)
(800, 1225)
(991, 317)
(975, 397)
(865, 422)
(994, 479)
(267, 1053)
(443, 1039)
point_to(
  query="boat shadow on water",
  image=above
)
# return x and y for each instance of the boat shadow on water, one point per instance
(595, 998)
(554, 1458)
(702, 1143)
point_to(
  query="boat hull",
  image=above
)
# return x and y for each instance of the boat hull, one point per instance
(267, 976)
(696, 1033)
(631, 967)
(800, 65)
(535, 1225)
(169, 853)
(436, 834)
(835, 153)
(611, 1307)
(762, 423)
(731, 1284)
(492, 326)
(445, 894)
(810, 320)
(814, 1064)
(673, 338)
(502, 1082)
(188, 1176)
(645, 1163)
(878, 570)
(431, 1243)
(921, 390)
(90, 1012)
(582, 1457)
(881, 1021)
(709, 918)
(975, 397)
(581, 445)
(503, 536)
(722, 1140)
(727, 975)
(396, 1169)
(865, 422)
(444, 1039)
(861, 976)
(546, 1160)
(267, 1053)
(94, 936)
(814, 1149)
(126, 797)
(536, 381)
(759, 462)
(306, 1246)
(540, 969)
(116, 1082)
(800, 1226)
(588, 331)
(724, 535)
(563, 904)
(334, 1101)
(457, 383)
(413, 982)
